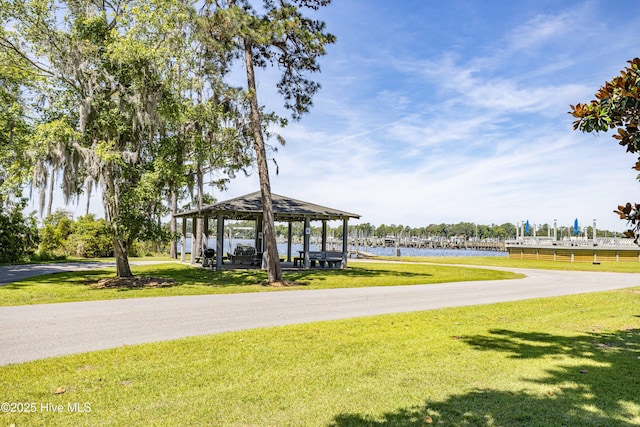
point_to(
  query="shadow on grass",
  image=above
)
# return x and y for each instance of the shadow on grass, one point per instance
(597, 387)
(349, 273)
(230, 278)
(74, 278)
(204, 277)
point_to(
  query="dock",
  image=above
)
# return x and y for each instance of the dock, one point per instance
(428, 243)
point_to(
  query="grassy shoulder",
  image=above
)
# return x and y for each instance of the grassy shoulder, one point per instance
(557, 361)
(187, 280)
(495, 261)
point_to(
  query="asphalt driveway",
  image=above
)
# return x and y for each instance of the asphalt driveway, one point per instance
(40, 331)
(14, 273)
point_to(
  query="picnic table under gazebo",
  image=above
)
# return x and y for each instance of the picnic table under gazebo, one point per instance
(285, 209)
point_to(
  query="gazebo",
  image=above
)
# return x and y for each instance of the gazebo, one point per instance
(285, 209)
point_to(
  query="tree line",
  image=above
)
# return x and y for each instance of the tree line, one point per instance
(493, 231)
(468, 230)
(137, 98)
(60, 236)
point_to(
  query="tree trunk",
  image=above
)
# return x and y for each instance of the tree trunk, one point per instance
(199, 221)
(198, 226)
(52, 181)
(274, 271)
(173, 251)
(158, 243)
(89, 187)
(120, 246)
(121, 252)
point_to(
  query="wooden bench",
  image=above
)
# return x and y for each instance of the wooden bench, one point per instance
(324, 258)
(316, 256)
(333, 259)
(243, 254)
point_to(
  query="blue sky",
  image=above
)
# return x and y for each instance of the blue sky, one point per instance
(441, 112)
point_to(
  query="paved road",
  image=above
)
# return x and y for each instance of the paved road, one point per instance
(40, 331)
(14, 273)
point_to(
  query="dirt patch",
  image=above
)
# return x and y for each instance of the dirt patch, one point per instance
(133, 283)
(283, 284)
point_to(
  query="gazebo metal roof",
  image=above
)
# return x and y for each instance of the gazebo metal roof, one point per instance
(284, 209)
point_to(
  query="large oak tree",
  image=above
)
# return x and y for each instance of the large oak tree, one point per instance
(113, 110)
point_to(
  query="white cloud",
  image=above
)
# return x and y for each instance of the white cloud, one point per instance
(541, 30)
(406, 137)
(418, 129)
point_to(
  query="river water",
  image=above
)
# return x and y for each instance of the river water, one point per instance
(381, 251)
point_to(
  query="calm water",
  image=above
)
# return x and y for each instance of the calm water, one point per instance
(382, 251)
(432, 252)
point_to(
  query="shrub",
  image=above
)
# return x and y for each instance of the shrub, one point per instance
(18, 234)
(54, 233)
(91, 238)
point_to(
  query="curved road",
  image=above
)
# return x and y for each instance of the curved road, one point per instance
(15, 273)
(40, 331)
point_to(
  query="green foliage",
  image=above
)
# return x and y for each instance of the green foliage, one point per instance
(88, 237)
(54, 233)
(617, 105)
(468, 229)
(132, 96)
(278, 34)
(91, 238)
(143, 248)
(109, 94)
(18, 234)
(281, 36)
(15, 77)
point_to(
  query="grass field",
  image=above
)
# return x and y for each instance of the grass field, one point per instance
(569, 361)
(79, 286)
(566, 361)
(495, 261)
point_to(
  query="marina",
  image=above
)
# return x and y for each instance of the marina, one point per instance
(429, 243)
(364, 248)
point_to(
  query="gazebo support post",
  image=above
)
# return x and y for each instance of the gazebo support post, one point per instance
(324, 236)
(260, 241)
(193, 240)
(183, 240)
(289, 236)
(205, 235)
(345, 242)
(307, 236)
(219, 240)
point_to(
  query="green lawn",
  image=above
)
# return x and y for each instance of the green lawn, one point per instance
(569, 361)
(78, 286)
(503, 261)
(564, 361)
